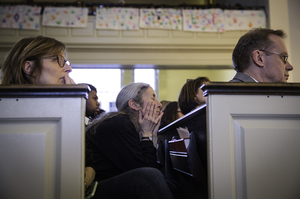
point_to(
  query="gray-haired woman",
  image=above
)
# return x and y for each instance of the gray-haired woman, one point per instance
(125, 140)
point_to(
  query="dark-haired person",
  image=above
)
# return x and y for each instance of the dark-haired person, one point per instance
(92, 109)
(190, 98)
(261, 56)
(171, 113)
(191, 95)
(92, 104)
(164, 103)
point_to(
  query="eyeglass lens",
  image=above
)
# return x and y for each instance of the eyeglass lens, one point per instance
(285, 58)
(62, 61)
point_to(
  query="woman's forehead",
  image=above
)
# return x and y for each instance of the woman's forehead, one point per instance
(55, 52)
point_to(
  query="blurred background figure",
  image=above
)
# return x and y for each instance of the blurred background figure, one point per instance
(164, 103)
(92, 106)
(171, 113)
(191, 95)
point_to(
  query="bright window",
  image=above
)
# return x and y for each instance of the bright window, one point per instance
(106, 81)
(145, 76)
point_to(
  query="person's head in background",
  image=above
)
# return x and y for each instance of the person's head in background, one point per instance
(164, 103)
(191, 95)
(262, 54)
(37, 60)
(172, 112)
(92, 105)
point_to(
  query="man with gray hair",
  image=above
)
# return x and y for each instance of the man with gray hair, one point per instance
(261, 56)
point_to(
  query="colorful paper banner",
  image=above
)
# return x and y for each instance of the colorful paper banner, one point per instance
(203, 20)
(65, 17)
(20, 17)
(117, 18)
(161, 18)
(244, 19)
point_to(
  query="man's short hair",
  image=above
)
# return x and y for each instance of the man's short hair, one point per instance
(92, 88)
(255, 39)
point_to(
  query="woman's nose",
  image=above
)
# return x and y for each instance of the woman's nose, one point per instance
(159, 104)
(67, 68)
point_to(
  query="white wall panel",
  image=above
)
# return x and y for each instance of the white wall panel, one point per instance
(42, 147)
(253, 146)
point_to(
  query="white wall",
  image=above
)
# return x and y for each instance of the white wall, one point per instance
(294, 16)
(284, 14)
(162, 47)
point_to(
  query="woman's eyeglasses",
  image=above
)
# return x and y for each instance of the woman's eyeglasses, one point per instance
(60, 60)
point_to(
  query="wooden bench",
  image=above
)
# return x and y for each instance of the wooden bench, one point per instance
(253, 133)
(42, 141)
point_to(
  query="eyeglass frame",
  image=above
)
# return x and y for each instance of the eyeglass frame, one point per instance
(285, 57)
(57, 57)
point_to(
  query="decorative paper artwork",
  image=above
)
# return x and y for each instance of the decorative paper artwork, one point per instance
(203, 20)
(65, 17)
(161, 18)
(117, 18)
(244, 19)
(197, 20)
(20, 17)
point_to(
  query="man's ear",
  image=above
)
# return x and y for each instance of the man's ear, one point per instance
(257, 58)
(28, 67)
(132, 104)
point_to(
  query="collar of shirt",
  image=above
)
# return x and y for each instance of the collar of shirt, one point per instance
(254, 79)
(87, 120)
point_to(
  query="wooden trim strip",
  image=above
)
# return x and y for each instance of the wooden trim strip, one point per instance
(41, 91)
(233, 88)
(181, 121)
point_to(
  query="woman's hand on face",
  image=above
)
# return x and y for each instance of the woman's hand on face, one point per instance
(149, 120)
(69, 80)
